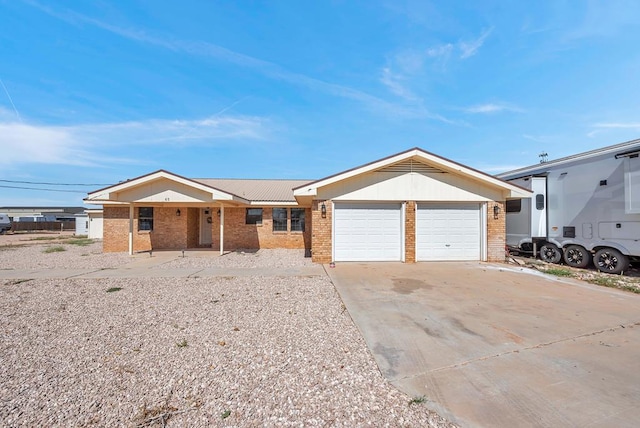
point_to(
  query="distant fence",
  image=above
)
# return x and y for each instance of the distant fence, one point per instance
(30, 226)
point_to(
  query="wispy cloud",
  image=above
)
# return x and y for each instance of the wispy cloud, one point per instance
(470, 48)
(491, 108)
(442, 53)
(86, 144)
(210, 50)
(601, 127)
(394, 82)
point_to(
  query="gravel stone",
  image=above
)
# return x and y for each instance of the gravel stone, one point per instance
(199, 352)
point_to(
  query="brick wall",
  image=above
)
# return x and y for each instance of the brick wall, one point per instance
(239, 235)
(169, 230)
(116, 231)
(193, 227)
(496, 230)
(321, 244)
(410, 232)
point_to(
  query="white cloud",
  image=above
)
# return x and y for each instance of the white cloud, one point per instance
(601, 127)
(393, 82)
(107, 143)
(491, 108)
(470, 48)
(210, 50)
(440, 51)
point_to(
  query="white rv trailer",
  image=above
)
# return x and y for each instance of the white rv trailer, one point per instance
(584, 207)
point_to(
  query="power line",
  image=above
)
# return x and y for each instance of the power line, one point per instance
(55, 184)
(45, 190)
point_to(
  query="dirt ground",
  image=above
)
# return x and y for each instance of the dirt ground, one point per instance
(13, 238)
(628, 281)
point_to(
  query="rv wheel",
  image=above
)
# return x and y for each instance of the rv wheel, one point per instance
(550, 253)
(610, 260)
(577, 256)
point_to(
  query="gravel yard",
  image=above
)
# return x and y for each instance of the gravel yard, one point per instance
(232, 351)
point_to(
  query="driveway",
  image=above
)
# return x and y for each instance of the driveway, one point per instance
(489, 345)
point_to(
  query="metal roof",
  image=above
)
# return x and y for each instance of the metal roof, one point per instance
(256, 190)
(540, 168)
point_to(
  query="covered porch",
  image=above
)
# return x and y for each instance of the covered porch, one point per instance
(164, 211)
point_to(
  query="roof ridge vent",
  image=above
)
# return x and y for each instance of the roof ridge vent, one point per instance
(411, 165)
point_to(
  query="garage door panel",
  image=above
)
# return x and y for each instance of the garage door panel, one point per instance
(448, 232)
(367, 232)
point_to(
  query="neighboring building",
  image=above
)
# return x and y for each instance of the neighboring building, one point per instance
(412, 206)
(82, 224)
(42, 213)
(95, 224)
(89, 223)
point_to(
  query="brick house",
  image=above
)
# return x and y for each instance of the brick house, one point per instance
(412, 206)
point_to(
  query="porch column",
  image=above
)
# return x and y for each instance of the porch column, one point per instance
(221, 229)
(131, 229)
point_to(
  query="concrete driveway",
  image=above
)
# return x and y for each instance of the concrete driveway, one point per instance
(489, 345)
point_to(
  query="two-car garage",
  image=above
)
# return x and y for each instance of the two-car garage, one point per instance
(377, 231)
(412, 206)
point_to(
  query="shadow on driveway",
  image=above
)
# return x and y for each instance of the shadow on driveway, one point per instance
(490, 345)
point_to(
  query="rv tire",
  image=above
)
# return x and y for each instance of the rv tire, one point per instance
(610, 260)
(550, 253)
(577, 256)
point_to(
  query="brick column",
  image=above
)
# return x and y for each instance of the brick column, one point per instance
(321, 245)
(410, 232)
(496, 232)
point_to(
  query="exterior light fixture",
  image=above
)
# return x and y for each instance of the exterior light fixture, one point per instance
(496, 211)
(178, 212)
(218, 212)
(323, 210)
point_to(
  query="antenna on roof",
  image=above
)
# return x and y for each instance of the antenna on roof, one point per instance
(543, 157)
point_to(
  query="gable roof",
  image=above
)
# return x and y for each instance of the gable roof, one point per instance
(104, 194)
(430, 163)
(245, 191)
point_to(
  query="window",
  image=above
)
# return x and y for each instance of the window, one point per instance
(514, 205)
(254, 216)
(539, 202)
(279, 219)
(145, 218)
(297, 219)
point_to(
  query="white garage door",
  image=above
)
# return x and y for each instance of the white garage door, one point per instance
(367, 232)
(448, 232)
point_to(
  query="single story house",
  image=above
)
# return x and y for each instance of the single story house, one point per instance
(411, 206)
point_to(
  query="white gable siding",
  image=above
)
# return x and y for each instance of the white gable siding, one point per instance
(390, 186)
(163, 191)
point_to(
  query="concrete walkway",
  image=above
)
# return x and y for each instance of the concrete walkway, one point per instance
(490, 346)
(145, 266)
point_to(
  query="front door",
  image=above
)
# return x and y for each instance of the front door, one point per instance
(205, 226)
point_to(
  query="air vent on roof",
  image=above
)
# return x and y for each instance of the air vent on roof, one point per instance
(411, 166)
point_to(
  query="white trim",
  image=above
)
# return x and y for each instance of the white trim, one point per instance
(484, 238)
(105, 194)
(442, 163)
(131, 215)
(221, 229)
(403, 221)
(333, 231)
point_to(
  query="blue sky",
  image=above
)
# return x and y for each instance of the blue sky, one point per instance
(98, 92)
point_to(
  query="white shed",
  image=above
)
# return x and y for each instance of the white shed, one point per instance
(95, 224)
(82, 224)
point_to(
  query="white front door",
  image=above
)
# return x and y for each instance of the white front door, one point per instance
(448, 231)
(367, 232)
(206, 226)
